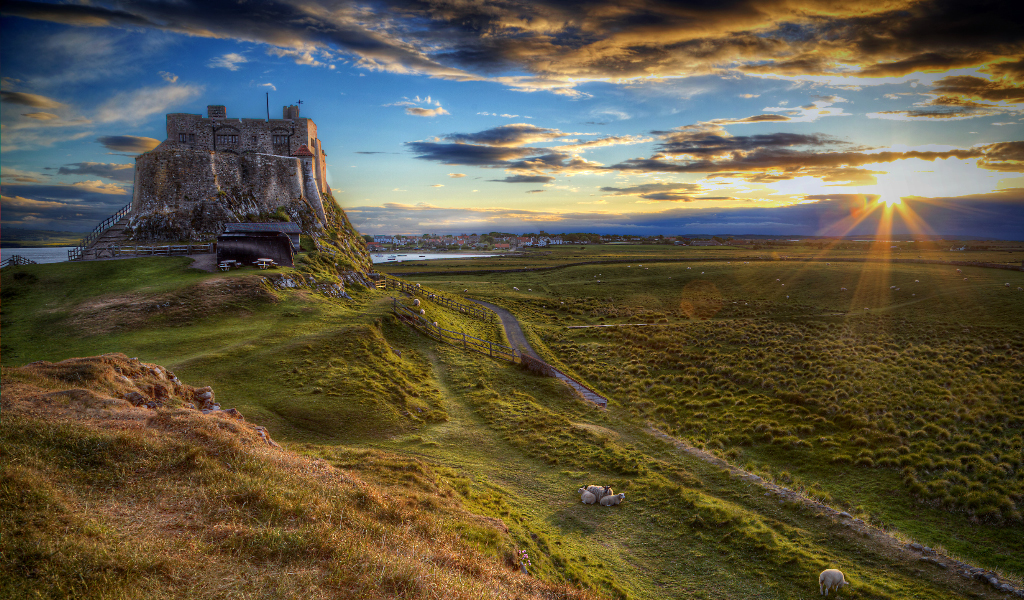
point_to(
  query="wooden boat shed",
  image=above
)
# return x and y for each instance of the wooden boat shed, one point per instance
(292, 230)
(247, 247)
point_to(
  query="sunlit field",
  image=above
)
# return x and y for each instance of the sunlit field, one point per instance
(890, 389)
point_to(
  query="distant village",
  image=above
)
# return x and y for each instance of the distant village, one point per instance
(511, 242)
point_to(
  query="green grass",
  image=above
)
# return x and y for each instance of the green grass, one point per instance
(917, 402)
(439, 431)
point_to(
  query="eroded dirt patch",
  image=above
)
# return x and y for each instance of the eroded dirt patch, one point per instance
(127, 312)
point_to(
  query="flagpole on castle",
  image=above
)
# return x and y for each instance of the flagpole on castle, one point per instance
(268, 107)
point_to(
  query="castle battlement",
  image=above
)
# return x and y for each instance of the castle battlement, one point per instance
(218, 133)
(214, 170)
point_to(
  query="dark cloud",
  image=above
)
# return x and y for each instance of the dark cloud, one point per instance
(927, 62)
(32, 100)
(128, 143)
(470, 154)
(666, 192)
(515, 134)
(976, 87)
(525, 179)
(63, 208)
(996, 216)
(1004, 156)
(704, 143)
(535, 192)
(550, 43)
(117, 172)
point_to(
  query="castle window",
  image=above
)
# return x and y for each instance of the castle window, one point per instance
(280, 139)
(227, 139)
(254, 139)
(187, 138)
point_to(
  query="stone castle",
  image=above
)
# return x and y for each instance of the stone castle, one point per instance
(214, 170)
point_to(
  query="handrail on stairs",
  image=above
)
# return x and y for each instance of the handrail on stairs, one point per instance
(78, 252)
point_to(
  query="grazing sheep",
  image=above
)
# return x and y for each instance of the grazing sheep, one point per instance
(423, 312)
(416, 302)
(831, 579)
(586, 497)
(1007, 285)
(842, 289)
(529, 289)
(612, 500)
(959, 271)
(515, 288)
(917, 281)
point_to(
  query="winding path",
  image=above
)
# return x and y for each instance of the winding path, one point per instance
(517, 339)
(513, 331)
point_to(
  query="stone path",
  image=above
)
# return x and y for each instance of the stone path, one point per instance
(517, 339)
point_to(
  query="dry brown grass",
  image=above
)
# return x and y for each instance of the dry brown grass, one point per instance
(104, 499)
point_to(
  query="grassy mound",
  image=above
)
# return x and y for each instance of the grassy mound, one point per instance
(102, 499)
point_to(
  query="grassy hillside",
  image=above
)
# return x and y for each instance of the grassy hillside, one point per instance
(907, 383)
(471, 452)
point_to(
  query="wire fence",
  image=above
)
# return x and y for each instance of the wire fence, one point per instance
(458, 338)
(414, 289)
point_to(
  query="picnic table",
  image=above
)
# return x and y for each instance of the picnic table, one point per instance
(265, 263)
(228, 264)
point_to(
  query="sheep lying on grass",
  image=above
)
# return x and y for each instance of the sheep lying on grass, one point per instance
(612, 500)
(586, 497)
(831, 579)
(600, 491)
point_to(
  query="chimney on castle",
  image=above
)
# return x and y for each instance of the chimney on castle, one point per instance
(216, 111)
(291, 112)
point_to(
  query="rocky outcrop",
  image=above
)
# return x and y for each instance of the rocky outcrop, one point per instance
(114, 387)
(187, 194)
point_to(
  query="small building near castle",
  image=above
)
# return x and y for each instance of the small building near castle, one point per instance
(215, 170)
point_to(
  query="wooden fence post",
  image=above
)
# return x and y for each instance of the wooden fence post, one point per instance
(464, 345)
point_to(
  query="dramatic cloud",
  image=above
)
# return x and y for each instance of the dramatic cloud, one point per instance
(507, 136)
(128, 143)
(118, 172)
(558, 44)
(32, 100)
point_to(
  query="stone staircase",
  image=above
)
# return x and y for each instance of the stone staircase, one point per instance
(113, 236)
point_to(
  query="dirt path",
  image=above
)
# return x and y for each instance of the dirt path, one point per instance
(955, 569)
(513, 331)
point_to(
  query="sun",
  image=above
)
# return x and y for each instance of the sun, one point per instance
(890, 200)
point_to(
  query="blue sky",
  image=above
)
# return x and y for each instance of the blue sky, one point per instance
(647, 118)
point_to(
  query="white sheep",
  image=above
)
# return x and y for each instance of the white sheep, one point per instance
(600, 491)
(842, 289)
(1007, 285)
(917, 281)
(612, 500)
(831, 579)
(423, 312)
(959, 271)
(529, 289)
(1020, 289)
(416, 302)
(586, 497)
(515, 288)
